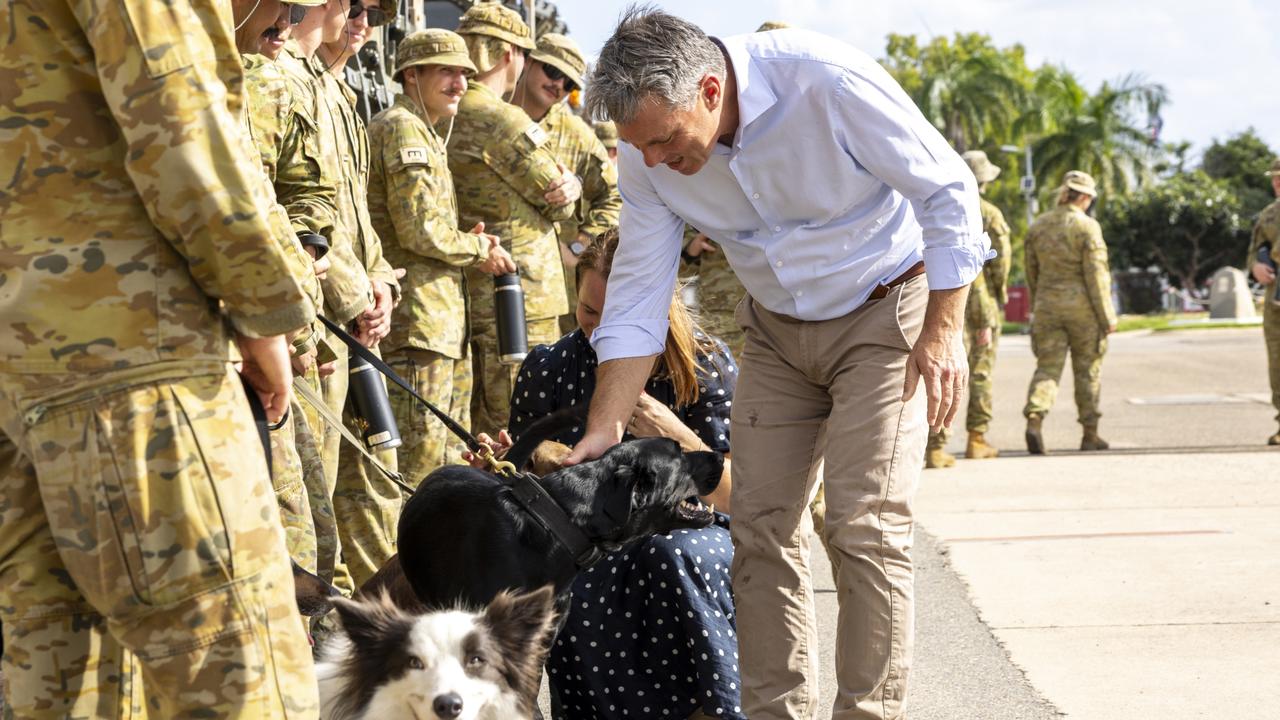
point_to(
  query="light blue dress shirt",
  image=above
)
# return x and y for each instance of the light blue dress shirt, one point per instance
(835, 183)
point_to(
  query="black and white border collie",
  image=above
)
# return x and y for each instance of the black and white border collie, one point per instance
(387, 663)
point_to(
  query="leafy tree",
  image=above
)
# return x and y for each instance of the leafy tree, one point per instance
(1190, 226)
(1243, 161)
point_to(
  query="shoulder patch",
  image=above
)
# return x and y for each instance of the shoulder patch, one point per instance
(536, 134)
(414, 155)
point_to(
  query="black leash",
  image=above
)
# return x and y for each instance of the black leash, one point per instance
(525, 488)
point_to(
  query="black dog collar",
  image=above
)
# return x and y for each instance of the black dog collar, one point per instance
(535, 499)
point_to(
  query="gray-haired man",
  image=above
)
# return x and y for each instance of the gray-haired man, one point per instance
(829, 193)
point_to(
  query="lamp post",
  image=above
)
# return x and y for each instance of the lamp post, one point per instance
(1028, 182)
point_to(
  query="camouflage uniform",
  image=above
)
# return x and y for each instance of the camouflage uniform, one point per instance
(1267, 230)
(413, 206)
(719, 292)
(136, 236)
(607, 134)
(1070, 286)
(501, 169)
(574, 143)
(366, 503)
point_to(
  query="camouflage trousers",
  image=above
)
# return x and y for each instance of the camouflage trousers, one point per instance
(1052, 338)
(289, 442)
(492, 380)
(366, 505)
(319, 451)
(143, 570)
(445, 382)
(719, 292)
(1271, 334)
(982, 361)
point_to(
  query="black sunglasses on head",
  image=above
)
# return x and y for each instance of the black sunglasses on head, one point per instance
(296, 13)
(555, 74)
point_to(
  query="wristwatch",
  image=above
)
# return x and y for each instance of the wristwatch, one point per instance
(576, 247)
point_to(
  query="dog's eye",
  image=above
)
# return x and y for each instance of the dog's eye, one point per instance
(415, 663)
(475, 661)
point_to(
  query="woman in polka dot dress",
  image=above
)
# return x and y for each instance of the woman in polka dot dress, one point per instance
(650, 631)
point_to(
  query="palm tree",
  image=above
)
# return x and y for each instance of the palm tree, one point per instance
(1104, 134)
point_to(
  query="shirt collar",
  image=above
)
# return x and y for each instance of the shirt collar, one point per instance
(755, 96)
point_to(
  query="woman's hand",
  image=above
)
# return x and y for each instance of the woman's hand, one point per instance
(499, 448)
(654, 419)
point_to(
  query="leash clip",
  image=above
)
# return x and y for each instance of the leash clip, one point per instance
(499, 467)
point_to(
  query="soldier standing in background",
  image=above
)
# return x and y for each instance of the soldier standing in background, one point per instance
(366, 503)
(505, 176)
(553, 71)
(982, 321)
(412, 203)
(268, 118)
(1267, 232)
(607, 134)
(143, 569)
(1069, 282)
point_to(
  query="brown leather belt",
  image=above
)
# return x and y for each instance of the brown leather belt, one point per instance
(883, 290)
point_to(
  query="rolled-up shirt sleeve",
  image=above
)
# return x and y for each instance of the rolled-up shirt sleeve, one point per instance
(643, 277)
(887, 135)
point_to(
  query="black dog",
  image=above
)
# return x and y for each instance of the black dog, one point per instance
(463, 538)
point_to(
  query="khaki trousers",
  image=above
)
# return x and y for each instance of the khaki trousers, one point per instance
(796, 375)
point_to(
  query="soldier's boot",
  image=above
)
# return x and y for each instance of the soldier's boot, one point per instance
(1035, 441)
(1091, 441)
(978, 448)
(938, 458)
(1274, 439)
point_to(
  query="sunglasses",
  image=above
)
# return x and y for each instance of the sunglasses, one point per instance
(296, 13)
(555, 74)
(376, 16)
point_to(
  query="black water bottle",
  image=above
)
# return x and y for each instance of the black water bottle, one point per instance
(369, 394)
(508, 304)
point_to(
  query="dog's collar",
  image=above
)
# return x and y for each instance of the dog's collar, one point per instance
(535, 499)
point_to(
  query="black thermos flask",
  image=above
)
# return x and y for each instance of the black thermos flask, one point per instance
(370, 397)
(508, 303)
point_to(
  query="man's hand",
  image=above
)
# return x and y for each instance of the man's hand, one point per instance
(499, 261)
(375, 323)
(984, 337)
(1108, 330)
(1263, 273)
(319, 265)
(302, 362)
(653, 419)
(939, 357)
(266, 366)
(700, 244)
(565, 189)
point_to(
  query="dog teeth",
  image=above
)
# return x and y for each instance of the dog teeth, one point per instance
(712, 507)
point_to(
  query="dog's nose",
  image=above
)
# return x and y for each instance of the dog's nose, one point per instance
(448, 705)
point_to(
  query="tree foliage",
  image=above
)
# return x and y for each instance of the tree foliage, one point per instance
(1243, 162)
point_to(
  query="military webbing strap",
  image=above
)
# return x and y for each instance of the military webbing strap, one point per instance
(308, 393)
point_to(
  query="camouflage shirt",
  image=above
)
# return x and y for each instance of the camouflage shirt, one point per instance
(415, 212)
(1266, 231)
(576, 146)
(347, 291)
(352, 143)
(131, 222)
(1067, 270)
(501, 169)
(989, 292)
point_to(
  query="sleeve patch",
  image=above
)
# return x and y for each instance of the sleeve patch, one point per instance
(414, 155)
(536, 134)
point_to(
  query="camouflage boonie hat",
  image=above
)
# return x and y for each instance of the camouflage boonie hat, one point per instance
(1080, 182)
(434, 46)
(496, 21)
(983, 169)
(563, 54)
(607, 133)
(768, 25)
(1275, 168)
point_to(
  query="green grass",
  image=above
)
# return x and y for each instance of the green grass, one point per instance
(1155, 323)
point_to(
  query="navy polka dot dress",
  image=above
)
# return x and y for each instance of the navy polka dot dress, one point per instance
(650, 631)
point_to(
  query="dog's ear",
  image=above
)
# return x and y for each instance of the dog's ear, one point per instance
(613, 512)
(367, 622)
(313, 595)
(520, 623)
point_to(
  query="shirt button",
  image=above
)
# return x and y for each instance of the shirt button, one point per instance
(755, 196)
(777, 228)
(799, 293)
(778, 264)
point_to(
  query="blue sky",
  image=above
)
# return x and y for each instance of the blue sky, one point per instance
(1218, 59)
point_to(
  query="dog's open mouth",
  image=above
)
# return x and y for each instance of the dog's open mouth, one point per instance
(691, 510)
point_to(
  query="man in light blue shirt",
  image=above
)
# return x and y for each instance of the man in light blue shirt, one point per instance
(831, 196)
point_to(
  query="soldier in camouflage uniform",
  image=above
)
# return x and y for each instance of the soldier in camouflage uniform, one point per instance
(413, 206)
(143, 569)
(1267, 232)
(607, 134)
(366, 503)
(1069, 281)
(554, 70)
(506, 176)
(983, 313)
